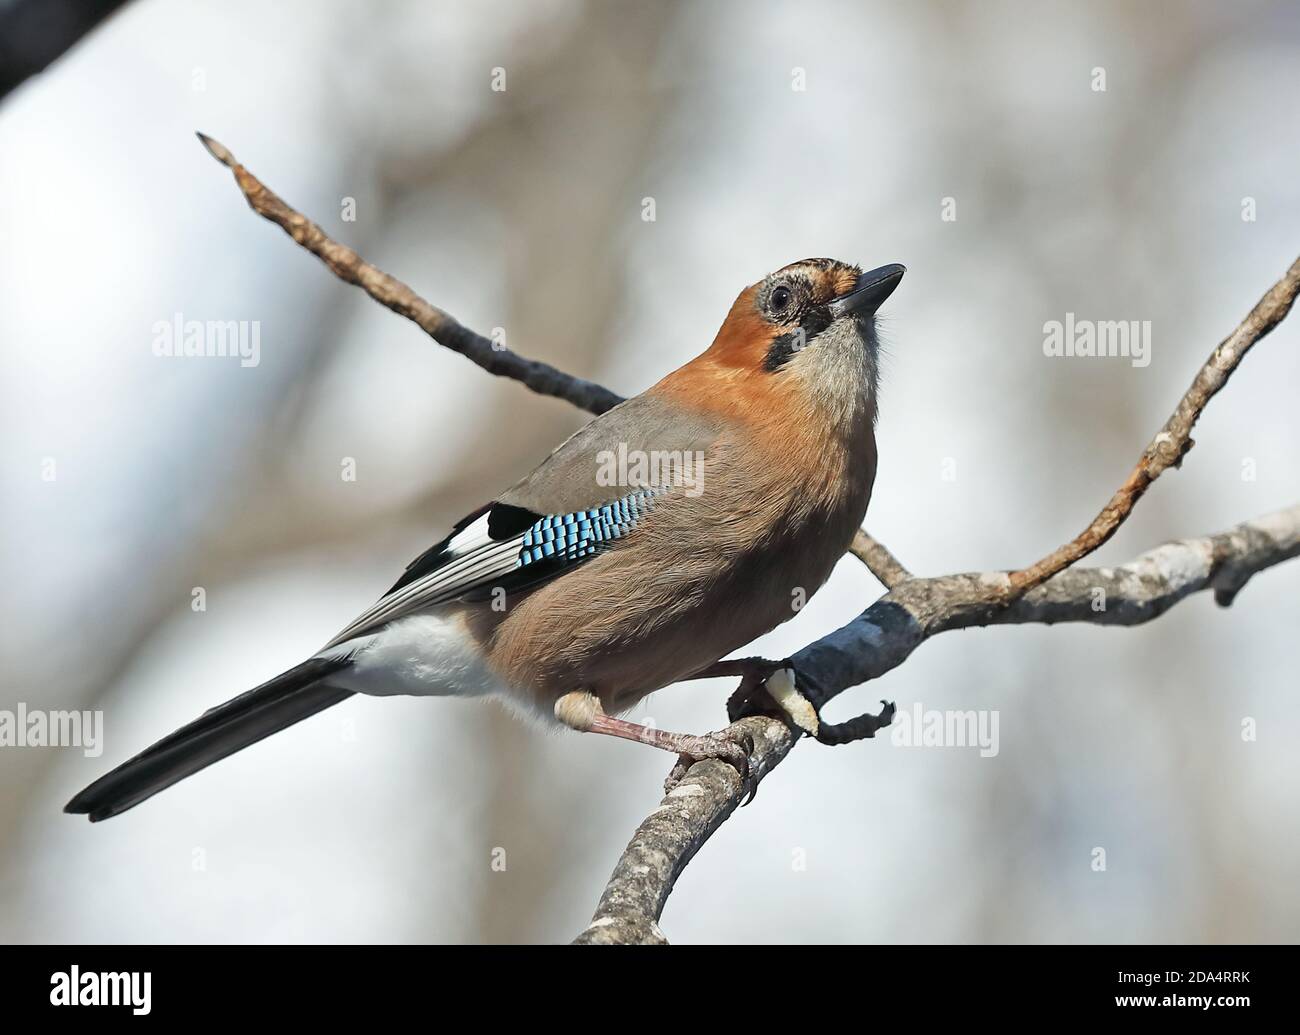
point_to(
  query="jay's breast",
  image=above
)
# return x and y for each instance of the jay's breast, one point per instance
(685, 590)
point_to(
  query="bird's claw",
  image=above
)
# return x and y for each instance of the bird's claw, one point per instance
(731, 745)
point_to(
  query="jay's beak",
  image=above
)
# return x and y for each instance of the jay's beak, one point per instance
(870, 292)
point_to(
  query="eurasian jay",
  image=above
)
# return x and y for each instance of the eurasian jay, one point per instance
(597, 579)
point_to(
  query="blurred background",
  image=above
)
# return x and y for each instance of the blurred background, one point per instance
(765, 133)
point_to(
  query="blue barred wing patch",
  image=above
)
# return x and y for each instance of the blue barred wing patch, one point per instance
(571, 537)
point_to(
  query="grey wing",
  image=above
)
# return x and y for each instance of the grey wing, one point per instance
(628, 447)
(591, 491)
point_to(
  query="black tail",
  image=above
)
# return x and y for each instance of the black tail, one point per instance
(218, 732)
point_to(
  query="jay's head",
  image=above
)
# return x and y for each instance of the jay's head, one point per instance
(810, 326)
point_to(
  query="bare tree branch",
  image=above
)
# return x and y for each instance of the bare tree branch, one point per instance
(393, 294)
(669, 837)
(883, 638)
(885, 635)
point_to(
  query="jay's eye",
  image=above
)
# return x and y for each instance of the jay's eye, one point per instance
(780, 299)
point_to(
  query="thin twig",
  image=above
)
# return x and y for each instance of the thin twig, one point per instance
(1173, 441)
(444, 329)
(879, 561)
(393, 294)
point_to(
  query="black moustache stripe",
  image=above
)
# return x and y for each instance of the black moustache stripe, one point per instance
(786, 345)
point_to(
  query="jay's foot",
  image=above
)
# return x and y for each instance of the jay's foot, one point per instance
(582, 711)
(729, 745)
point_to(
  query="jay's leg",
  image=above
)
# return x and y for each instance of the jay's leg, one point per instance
(755, 697)
(582, 711)
(759, 668)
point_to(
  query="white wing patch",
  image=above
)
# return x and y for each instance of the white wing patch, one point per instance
(473, 556)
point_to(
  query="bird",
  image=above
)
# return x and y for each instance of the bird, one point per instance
(665, 534)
